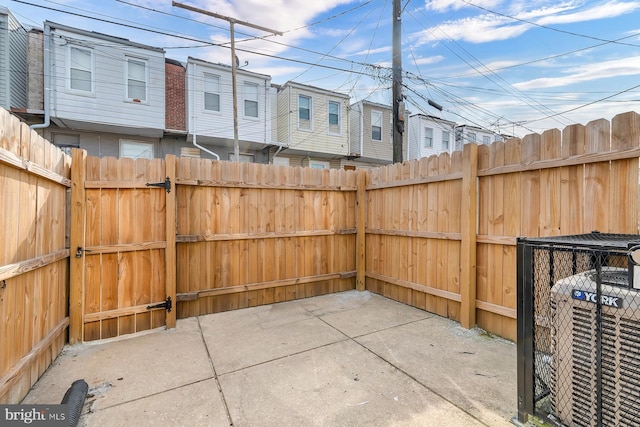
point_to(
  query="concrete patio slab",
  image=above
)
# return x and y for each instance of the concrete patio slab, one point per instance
(196, 404)
(360, 313)
(472, 369)
(341, 384)
(349, 359)
(128, 369)
(242, 338)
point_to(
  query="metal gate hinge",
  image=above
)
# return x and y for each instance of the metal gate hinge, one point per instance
(166, 184)
(166, 305)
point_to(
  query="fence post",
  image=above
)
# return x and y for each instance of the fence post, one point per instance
(360, 230)
(170, 251)
(469, 232)
(76, 241)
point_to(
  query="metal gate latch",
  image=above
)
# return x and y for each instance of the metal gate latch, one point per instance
(166, 184)
(166, 305)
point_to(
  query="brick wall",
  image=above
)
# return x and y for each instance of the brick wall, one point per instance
(175, 110)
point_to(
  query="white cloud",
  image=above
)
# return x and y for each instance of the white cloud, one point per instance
(373, 51)
(488, 27)
(429, 60)
(444, 5)
(607, 10)
(620, 67)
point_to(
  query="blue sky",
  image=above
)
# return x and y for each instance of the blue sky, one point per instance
(511, 66)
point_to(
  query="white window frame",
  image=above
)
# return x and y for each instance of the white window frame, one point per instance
(144, 61)
(145, 148)
(380, 116)
(91, 70)
(331, 102)
(256, 101)
(310, 120)
(319, 164)
(486, 140)
(215, 81)
(471, 137)
(428, 137)
(446, 142)
(280, 161)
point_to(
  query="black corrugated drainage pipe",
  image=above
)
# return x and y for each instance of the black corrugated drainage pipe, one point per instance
(74, 397)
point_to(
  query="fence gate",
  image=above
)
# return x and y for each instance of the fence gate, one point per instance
(123, 246)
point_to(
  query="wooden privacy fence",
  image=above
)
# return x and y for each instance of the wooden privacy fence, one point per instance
(34, 274)
(441, 232)
(218, 236)
(206, 236)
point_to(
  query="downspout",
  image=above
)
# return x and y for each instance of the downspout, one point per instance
(361, 113)
(193, 118)
(46, 71)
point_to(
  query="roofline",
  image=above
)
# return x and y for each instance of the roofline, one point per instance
(314, 89)
(191, 59)
(101, 36)
(434, 118)
(375, 104)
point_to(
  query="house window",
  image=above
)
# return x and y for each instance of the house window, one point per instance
(428, 138)
(136, 79)
(211, 92)
(136, 149)
(445, 140)
(80, 69)
(376, 125)
(304, 112)
(66, 142)
(242, 158)
(319, 164)
(334, 117)
(250, 99)
(472, 137)
(280, 161)
(486, 140)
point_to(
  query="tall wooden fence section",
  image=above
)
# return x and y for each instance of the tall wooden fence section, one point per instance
(251, 234)
(441, 232)
(34, 273)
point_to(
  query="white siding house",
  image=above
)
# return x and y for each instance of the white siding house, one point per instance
(13, 62)
(314, 123)
(471, 134)
(429, 135)
(210, 108)
(105, 83)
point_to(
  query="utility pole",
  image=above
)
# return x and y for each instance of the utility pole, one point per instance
(398, 99)
(234, 66)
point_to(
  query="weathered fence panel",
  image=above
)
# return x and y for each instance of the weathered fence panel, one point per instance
(34, 177)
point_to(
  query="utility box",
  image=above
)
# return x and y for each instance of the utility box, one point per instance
(579, 329)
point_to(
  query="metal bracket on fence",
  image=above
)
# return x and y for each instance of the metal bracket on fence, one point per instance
(166, 184)
(80, 251)
(166, 305)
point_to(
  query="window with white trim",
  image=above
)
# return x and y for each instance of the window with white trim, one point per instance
(428, 137)
(211, 86)
(137, 79)
(81, 66)
(486, 140)
(319, 164)
(376, 125)
(472, 137)
(445, 140)
(334, 117)
(250, 99)
(304, 112)
(136, 149)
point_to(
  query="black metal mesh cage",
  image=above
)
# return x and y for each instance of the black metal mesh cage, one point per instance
(579, 330)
